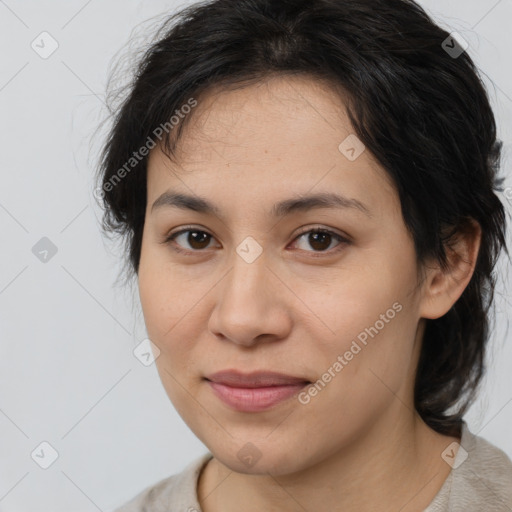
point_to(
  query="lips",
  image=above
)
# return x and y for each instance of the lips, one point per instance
(261, 379)
(254, 392)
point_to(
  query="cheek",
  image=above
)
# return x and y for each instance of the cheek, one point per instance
(153, 298)
(365, 331)
(166, 311)
(358, 381)
(165, 295)
(344, 303)
(173, 315)
(380, 360)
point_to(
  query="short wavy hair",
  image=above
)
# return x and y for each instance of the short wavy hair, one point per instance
(422, 112)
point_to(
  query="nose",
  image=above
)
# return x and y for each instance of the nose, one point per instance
(251, 305)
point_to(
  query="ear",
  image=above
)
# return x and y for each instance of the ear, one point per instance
(442, 289)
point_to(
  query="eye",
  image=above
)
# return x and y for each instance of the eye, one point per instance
(197, 239)
(320, 239)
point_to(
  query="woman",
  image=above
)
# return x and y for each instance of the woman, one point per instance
(307, 193)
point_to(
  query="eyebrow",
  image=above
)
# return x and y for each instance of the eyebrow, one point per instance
(281, 209)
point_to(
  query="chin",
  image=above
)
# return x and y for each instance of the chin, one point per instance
(253, 458)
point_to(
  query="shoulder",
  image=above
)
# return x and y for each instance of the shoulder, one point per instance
(487, 475)
(481, 478)
(176, 492)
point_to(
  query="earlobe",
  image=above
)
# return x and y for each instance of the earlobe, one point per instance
(442, 288)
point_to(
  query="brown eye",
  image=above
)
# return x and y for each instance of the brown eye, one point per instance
(195, 238)
(321, 239)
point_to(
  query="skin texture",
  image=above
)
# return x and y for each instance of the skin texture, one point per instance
(358, 444)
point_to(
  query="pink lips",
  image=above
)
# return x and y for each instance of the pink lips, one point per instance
(256, 391)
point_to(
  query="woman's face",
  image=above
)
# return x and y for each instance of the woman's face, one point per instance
(255, 290)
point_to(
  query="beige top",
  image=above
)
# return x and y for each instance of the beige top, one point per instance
(480, 480)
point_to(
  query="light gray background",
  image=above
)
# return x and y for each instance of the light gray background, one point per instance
(69, 376)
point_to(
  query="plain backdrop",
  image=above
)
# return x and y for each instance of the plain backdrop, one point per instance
(67, 334)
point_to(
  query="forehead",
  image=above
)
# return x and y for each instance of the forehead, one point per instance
(279, 136)
(274, 115)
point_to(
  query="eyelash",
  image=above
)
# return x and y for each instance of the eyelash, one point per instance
(169, 240)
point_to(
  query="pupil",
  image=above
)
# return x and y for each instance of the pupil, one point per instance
(194, 237)
(313, 237)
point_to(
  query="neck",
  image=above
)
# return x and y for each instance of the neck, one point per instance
(394, 465)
